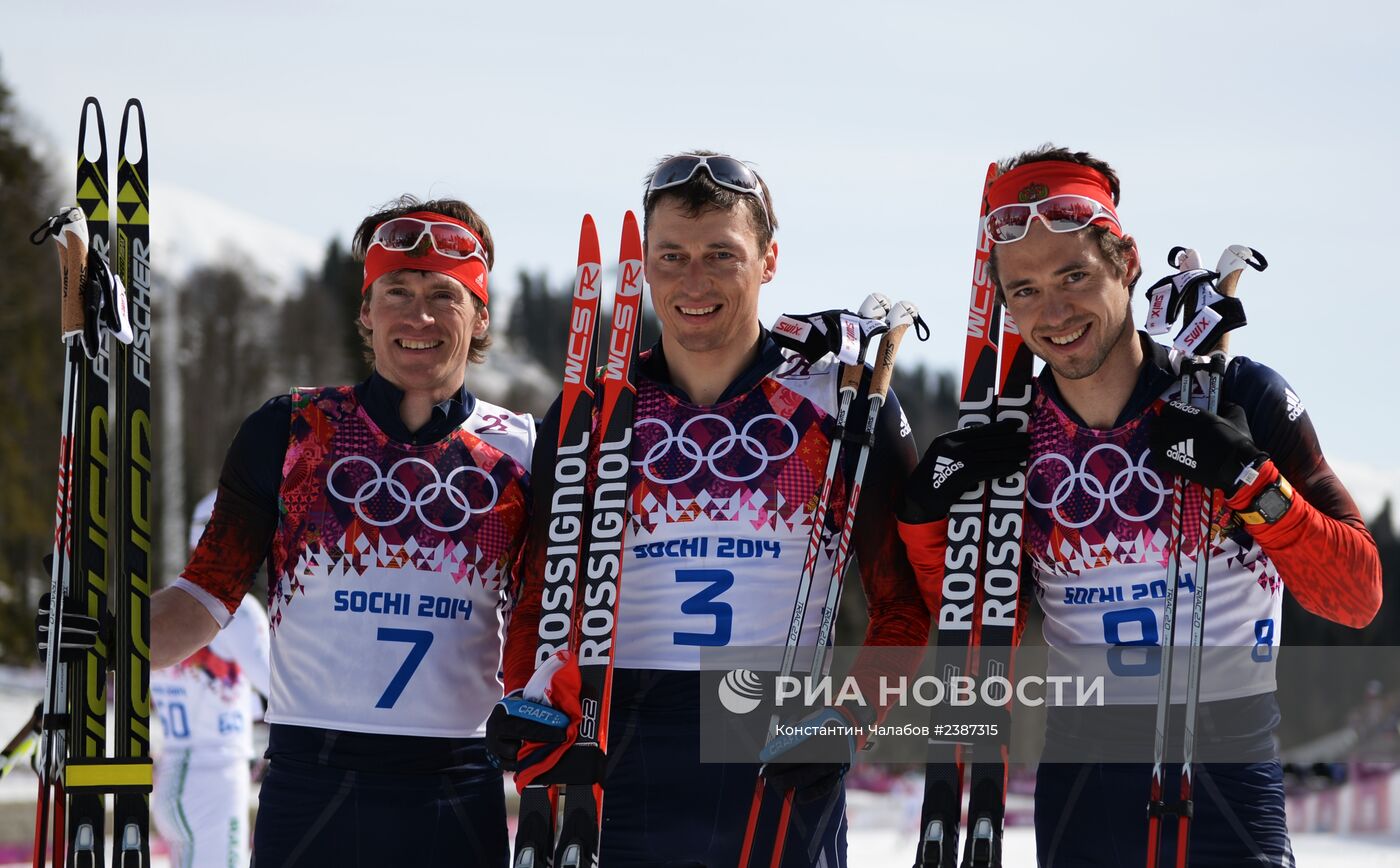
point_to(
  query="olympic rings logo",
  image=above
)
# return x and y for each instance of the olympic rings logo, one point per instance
(1082, 480)
(398, 492)
(721, 448)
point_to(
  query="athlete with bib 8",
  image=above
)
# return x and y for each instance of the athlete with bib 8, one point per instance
(1110, 431)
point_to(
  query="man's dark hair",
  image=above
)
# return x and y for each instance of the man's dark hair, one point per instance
(701, 193)
(1115, 250)
(407, 204)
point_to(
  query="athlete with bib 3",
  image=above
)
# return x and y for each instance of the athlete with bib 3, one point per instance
(1109, 432)
(390, 514)
(729, 449)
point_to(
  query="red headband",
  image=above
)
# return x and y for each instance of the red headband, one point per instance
(1032, 182)
(471, 273)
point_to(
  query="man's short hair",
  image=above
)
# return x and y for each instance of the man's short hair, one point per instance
(1116, 250)
(701, 194)
(407, 204)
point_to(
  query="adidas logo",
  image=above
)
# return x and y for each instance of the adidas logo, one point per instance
(1295, 405)
(1184, 452)
(943, 469)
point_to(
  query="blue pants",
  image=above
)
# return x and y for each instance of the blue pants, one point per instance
(1096, 815)
(312, 815)
(663, 808)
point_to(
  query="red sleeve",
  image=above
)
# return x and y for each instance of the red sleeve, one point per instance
(522, 631)
(1331, 566)
(234, 545)
(898, 629)
(527, 574)
(927, 545)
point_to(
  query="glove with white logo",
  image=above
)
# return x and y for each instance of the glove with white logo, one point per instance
(956, 463)
(1210, 449)
(813, 757)
(530, 728)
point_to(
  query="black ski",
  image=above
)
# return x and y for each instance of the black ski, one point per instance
(87, 592)
(134, 459)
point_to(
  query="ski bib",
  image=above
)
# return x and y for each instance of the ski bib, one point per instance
(1098, 517)
(720, 510)
(390, 564)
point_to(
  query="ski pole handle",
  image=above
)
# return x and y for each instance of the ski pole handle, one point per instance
(877, 306)
(1230, 267)
(904, 315)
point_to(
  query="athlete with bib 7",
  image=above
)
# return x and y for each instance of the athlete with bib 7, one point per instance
(389, 513)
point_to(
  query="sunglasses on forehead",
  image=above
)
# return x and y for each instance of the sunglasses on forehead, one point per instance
(1065, 213)
(448, 239)
(725, 171)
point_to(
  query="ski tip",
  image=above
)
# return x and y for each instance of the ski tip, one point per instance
(589, 252)
(126, 150)
(631, 250)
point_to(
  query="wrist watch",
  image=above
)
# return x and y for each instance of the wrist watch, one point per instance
(1269, 505)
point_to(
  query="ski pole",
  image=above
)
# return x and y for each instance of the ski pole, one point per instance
(24, 741)
(901, 318)
(1230, 267)
(875, 306)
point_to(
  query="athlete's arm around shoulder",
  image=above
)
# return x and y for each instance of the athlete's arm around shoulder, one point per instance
(527, 575)
(1320, 544)
(897, 614)
(236, 541)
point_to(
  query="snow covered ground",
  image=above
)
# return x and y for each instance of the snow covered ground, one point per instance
(882, 826)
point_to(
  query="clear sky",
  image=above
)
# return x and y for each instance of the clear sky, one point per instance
(1271, 124)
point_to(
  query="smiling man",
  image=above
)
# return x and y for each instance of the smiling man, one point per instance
(389, 514)
(729, 450)
(1101, 456)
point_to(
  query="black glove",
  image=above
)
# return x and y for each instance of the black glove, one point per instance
(78, 635)
(516, 720)
(956, 462)
(1207, 448)
(809, 761)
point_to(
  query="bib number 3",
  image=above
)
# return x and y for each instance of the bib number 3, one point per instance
(705, 602)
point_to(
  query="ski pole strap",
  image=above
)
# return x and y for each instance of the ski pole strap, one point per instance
(53, 227)
(1159, 808)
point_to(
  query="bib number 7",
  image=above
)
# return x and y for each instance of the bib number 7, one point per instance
(419, 640)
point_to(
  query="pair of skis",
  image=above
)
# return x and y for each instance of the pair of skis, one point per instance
(583, 560)
(897, 319)
(102, 542)
(981, 584)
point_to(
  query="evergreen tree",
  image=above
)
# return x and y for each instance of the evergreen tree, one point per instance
(31, 385)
